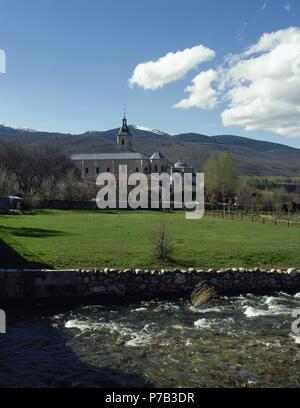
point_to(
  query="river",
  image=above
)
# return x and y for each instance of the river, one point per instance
(243, 341)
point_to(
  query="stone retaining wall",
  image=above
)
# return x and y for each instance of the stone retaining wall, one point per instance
(140, 283)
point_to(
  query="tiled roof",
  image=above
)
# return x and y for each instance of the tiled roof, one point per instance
(110, 156)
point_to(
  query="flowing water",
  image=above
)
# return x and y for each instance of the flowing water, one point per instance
(244, 341)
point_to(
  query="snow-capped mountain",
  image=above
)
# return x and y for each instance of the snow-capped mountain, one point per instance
(135, 127)
(13, 129)
(7, 129)
(138, 132)
(146, 129)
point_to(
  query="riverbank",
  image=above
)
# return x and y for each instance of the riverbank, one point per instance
(124, 284)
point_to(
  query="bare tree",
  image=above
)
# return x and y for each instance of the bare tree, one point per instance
(278, 201)
(8, 184)
(162, 244)
(36, 169)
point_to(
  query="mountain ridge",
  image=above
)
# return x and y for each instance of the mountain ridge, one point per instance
(252, 157)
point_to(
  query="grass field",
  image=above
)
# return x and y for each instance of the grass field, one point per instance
(124, 239)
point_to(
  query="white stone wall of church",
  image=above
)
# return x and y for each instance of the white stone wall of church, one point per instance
(100, 166)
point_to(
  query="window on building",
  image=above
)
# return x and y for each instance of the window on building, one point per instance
(146, 169)
(123, 142)
(108, 169)
(86, 170)
(97, 170)
(136, 169)
(156, 168)
(162, 168)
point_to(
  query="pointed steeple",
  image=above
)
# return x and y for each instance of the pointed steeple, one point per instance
(124, 128)
(124, 137)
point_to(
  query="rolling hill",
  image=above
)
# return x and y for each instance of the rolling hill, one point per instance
(252, 157)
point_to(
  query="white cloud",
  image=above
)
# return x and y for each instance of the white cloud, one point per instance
(202, 95)
(270, 41)
(260, 87)
(169, 68)
(263, 86)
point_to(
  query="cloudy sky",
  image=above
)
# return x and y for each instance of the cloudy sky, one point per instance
(205, 66)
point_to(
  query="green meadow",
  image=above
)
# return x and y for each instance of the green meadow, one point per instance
(90, 239)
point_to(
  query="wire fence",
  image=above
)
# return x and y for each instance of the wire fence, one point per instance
(277, 219)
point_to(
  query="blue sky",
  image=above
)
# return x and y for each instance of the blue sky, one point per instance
(69, 61)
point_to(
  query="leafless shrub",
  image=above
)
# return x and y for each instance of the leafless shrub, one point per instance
(162, 244)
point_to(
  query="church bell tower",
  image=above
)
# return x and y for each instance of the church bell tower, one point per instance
(124, 137)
